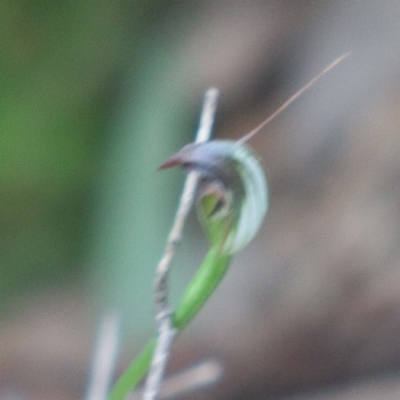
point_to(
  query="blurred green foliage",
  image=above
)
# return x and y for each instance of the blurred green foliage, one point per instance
(156, 113)
(60, 60)
(93, 97)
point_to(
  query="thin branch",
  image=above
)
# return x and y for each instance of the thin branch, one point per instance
(203, 374)
(104, 357)
(165, 330)
(194, 378)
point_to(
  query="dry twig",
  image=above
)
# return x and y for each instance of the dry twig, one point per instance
(196, 377)
(165, 330)
(104, 357)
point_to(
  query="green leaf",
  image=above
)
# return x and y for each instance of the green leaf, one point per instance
(232, 202)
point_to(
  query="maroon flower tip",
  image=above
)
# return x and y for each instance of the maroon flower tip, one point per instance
(172, 162)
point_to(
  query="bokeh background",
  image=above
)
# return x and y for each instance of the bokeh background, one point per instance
(94, 95)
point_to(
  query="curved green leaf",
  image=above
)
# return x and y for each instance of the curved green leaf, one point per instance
(232, 202)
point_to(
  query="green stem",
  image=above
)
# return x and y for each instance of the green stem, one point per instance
(134, 373)
(207, 278)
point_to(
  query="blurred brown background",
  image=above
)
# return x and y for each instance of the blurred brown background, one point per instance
(95, 95)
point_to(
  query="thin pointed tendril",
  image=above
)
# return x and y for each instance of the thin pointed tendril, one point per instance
(257, 129)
